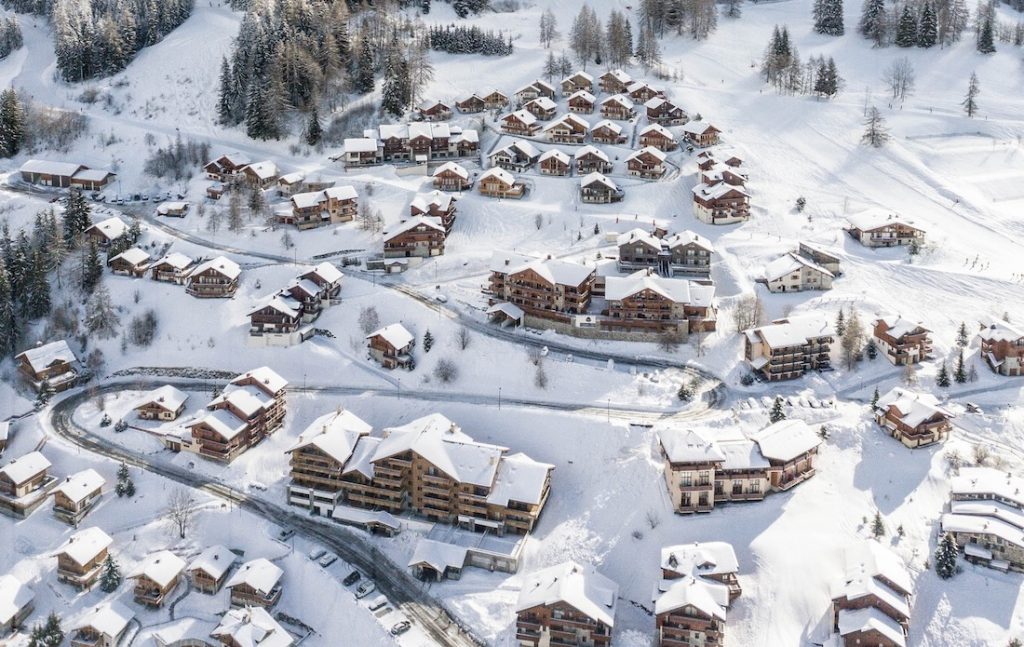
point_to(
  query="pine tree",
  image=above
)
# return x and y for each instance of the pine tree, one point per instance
(111, 577)
(314, 132)
(12, 123)
(985, 39)
(122, 472)
(428, 342)
(840, 323)
(927, 29)
(946, 557)
(906, 29)
(9, 331)
(77, 218)
(829, 18)
(943, 377)
(48, 635)
(685, 392)
(777, 413)
(960, 374)
(874, 398)
(970, 102)
(875, 133)
(227, 98)
(873, 21)
(44, 394)
(878, 525)
(100, 317)
(827, 81)
(961, 335)
(92, 268)
(362, 76)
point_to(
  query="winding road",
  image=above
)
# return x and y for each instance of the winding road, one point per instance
(392, 579)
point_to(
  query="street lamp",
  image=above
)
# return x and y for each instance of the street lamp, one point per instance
(499, 398)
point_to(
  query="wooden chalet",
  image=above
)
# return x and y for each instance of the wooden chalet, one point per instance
(106, 625)
(614, 81)
(437, 205)
(871, 605)
(595, 188)
(590, 159)
(684, 252)
(17, 602)
(618, 107)
(794, 273)
(156, 577)
(165, 404)
(582, 102)
(566, 604)
(875, 228)
(569, 129)
(721, 204)
(105, 232)
(174, 209)
(607, 132)
(50, 366)
(555, 162)
(516, 157)
(210, 569)
(434, 111)
(172, 268)
(391, 346)
(577, 82)
(256, 583)
(914, 418)
(76, 495)
(700, 134)
(1002, 346)
(333, 205)
(471, 104)
(260, 174)
(541, 286)
(420, 237)
(238, 627)
(499, 183)
(698, 583)
(901, 341)
(495, 100)
(663, 112)
(132, 262)
(648, 163)
(542, 108)
(226, 167)
(520, 122)
(80, 559)
(658, 137)
(452, 177)
(642, 92)
(214, 279)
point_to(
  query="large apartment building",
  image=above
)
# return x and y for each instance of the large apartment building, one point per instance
(698, 584)
(871, 604)
(1002, 346)
(702, 472)
(541, 286)
(647, 302)
(251, 407)
(788, 348)
(566, 604)
(902, 341)
(914, 418)
(428, 466)
(684, 252)
(874, 228)
(986, 517)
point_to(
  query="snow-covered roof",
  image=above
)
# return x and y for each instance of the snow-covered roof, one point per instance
(785, 265)
(161, 567)
(999, 330)
(610, 125)
(697, 127)
(716, 191)
(108, 619)
(506, 262)
(292, 178)
(45, 356)
(524, 116)
(111, 228)
(48, 167)
(524, 147)
(431, 103)
(395, 334)
(655, 102)
(583, 94)
(236, 159)
(413, 223)
(572, 120)
(913, 407)
(269, 380)
(688, 591)
(689, 446)
(898, 326)
(452, 167)
(597, 178)
(687, 237)
(24, 468)
(167, 396)
(284, 305)
(439, 199)
(362, 458)
(794, 331)
(14, 596)
(501, 174)
(214, 561)
(591, 150)
(519, 478)
(618, 75)
(92, 175)
(176, 260)
(264, 170)
(308, 199)
(223, 422)
(242, 399)
(700, 558)
(221, 265)
(877, 218)
(552, 270)
(620, 99)
(870, 619)
(133, 256)
(442, 443)
(578, 74)
(618, 288)
(430, 130)
(581, 587)
(5, 429)
(252, 627)
(984, 481)
(638, 235)
(742, 454)
(341, 193)
(648, 150)
(657, 129)
(871, 559)
(261, 574)
(335, 434)
(328, 272)
(543, 103)
(83, 546)
(786, 440)
(983, 525)
(438, 555)
(556, 154)
(80, 485)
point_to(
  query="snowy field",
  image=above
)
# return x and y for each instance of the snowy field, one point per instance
(960, 179)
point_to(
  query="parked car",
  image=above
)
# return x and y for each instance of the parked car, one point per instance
(365, 589)
(973, 408)
(316, 554)
(286, 534)
(378, 602)
(328, 559)
(400, 628)
(351, 578)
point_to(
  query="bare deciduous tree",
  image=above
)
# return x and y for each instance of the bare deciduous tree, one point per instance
(748, 312)
(463, 338)
(369, 320)
(181, 510)
(446, 371)
(900, 77)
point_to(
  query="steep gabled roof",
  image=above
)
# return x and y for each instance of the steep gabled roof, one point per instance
(581, 587)
(335, 434)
